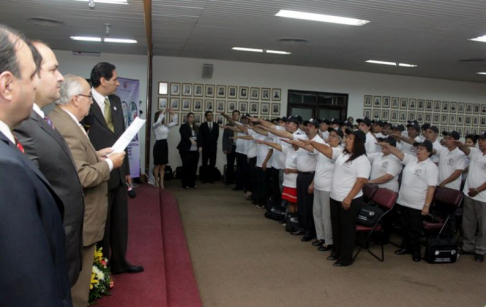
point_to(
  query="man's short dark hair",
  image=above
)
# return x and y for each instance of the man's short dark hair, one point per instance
(101, 70)
(208, 112)
(36, 55)
(236, 111)
(9, 39)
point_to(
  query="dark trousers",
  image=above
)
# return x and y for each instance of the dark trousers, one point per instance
(116, 229)
(250, 175)
(411, 223)
(230, 169)
(208, 170)
(275, 183)
(344, 229)
(261, 188)
(241, 164)
(305, 203)
(189, 167)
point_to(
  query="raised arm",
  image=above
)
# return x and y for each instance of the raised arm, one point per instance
(278, 133)
(271, 144)
(395, 151)
(263, 122)
(465, 149)
(322, 148)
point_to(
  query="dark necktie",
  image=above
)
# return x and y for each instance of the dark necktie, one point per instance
(108, 118)
(19, 146)
(49, 121)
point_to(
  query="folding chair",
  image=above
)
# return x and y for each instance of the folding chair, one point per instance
(386, 200)
(446, 201)
(369, 190)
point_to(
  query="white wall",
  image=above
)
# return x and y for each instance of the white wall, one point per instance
(356, 84)
(127, 66)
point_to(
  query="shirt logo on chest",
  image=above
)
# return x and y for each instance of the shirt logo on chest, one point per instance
(417, 172)
(450, 162)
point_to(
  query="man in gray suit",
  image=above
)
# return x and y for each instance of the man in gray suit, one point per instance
(47, 149)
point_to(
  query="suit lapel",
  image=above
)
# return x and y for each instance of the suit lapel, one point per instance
(98, 114)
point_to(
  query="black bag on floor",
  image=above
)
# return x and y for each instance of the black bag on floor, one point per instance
(217, 175)
(178, 173)
(441, 250)
(269, 202)
(276, 213)
(369, 215)
(292, 223)
(168, 173)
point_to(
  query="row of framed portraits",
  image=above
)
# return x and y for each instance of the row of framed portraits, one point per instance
(424, 117)
(203, 105)
(219, 91)
(199, 118)
(436, 106)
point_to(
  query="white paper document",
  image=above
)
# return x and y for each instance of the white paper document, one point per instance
(128, 135)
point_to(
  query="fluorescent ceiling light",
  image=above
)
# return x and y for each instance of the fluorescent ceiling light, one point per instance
(382, 62)
(86, 38)
(247, 49)
(481, 73)
(277, 52)
(479, 39)
(322, 18)
(120, 40)
(108, 1)
(406, 65)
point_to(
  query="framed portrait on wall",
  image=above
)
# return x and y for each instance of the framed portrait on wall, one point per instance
(186, 89)
(475, 121)
(460, 120)
(198, 90)
(469, 108)
(183, 118)
(459, 129)
(209, 90)
(460, 107)
(197, 105)
(175, 89)
(377, 102)
(162, 103)
(420, 117)
(376, 114)
(428, 118)
(265, 108)
(367, 101)
(453, 107)
(402, 116)
(403, 103)
(436, 119)
(276, 94)
(275, 109)
(186, 104)
(483, 109)
(444, 119)
(385, 102)
(420, 104)
(231, 106)
(197, 118)
(367, 112)
(243, 92)
(265, 94)
(467, 120)
(385, 115)
(243, 106)
(163, 88)
(395, 102)
(232, 90)
(254, 93)
(445, 107)
(411, 116)
(254, 107)
(221, 91)
(477, 108)
(429, 105)
(220, 106)
(394, 116)
(220, 119)
(412, 104)
(483, 122)
(208, 105)
(437, 106)
(174, 104)
(452, 119)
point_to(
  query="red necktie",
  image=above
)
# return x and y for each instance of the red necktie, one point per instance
(19, 146)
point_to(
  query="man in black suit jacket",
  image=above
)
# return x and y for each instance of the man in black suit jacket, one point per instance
(108, 124)
(208, 145)
(33, 261)
(47, 149)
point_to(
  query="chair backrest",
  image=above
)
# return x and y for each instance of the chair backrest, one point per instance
(385, 198)
(448, 197)
(369, 190)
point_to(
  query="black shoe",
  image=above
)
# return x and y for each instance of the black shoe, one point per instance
(324, 248)
(342, 263)
(318, 243)
(479, 258)
(297, 233)
(307, 238)
(131, 270)
(416, 258)
(332, 257)
(402, 251)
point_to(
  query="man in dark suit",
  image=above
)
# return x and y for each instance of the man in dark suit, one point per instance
(32, 253)
(229, 149)
(208, 145)
(93, 169)
(47, 149)
(107, 126)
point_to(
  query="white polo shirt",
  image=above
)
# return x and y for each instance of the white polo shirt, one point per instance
(262, 150)
(436, 145)
(370, 144)
(290, 180)
(382, 165)
(417, 177)
(307, 160)
(346, 174)
(325, 170)
(477, 174)
(449, 161)
(278, 157)
(252, 146)
(240, 143)
(409, 148)
(325, 135)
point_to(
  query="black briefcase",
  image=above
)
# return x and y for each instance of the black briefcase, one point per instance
(441, 250)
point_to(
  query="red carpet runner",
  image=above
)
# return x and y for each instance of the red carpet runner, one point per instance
(156, 241)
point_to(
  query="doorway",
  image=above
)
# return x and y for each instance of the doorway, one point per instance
(317, 104)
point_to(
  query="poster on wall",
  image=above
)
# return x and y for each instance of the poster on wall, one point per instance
(128, 91)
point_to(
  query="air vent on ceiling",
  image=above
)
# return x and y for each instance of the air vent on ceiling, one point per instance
(473, 60)
(46, 22)
(292, 41)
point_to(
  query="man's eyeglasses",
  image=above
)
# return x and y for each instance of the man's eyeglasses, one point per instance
(90, 96)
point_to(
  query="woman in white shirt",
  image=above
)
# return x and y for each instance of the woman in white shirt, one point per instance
(161, 149)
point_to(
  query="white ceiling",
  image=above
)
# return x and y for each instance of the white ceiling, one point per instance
(432, 34)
